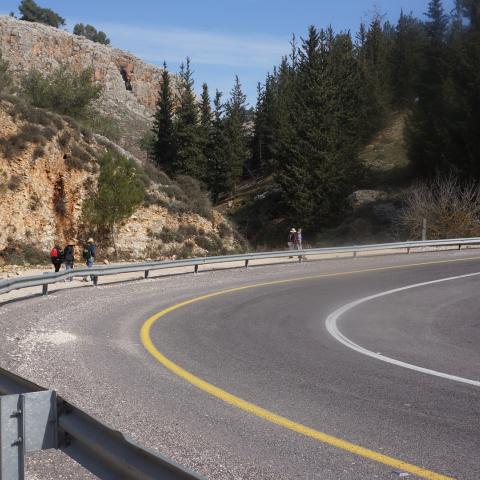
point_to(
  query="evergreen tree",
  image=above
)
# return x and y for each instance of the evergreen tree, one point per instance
(406, 60)
(217, 159)
(90, 32)
(426, 135)
(236, 136)
(163, 146)
(205, 126)
(190, 159)
(316, 158)
(31, 12)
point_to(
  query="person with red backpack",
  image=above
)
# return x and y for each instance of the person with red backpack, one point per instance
(56, 256)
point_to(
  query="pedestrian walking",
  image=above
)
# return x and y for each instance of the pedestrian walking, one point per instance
(56, 256)
(299, 239)
(69, 255)
(89, 252)
(291, 239)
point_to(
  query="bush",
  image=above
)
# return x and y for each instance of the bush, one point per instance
(120, 192)
(14, 183)
(18, 253)
(168, 235)
(224, 230)
(101, 124)
(195, 197)
(90, 32)
(188, 230)
(31, 12)
(39, 152)
(15, 144)
(5, 76)
(63, 91)
(451, 208)
(64, 139)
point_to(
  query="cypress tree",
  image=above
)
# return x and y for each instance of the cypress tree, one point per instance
(163, 147)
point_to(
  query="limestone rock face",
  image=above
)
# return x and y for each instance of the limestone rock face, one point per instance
(45, 181)
(130, 85)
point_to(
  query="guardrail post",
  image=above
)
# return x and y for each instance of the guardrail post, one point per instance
(408, 249)
(45, 286)
(146, 273)
(246, 263)
(95, 280)
(354, 254)
(28, 423)
(195, 269)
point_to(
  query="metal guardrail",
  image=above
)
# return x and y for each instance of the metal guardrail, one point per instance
(98, 271)
(33, 418)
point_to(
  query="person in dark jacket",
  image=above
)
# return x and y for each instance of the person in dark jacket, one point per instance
(56, 256)
(69, 255)
(89, 252)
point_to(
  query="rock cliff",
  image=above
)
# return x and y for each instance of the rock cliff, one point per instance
(130, 85)
(48, 167)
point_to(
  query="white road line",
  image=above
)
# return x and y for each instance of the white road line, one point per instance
(331, 324)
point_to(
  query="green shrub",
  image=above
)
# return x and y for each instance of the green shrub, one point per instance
(5, 76)
(63, 91)
(195, 197)
(120, 192)
(224, 230)
(90, 32)
(187, 250)
(31, 12)
(169, 235)
(102, 124)
(188, 230)
(64, 139)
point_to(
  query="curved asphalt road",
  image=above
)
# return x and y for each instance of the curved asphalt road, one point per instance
(268, 345)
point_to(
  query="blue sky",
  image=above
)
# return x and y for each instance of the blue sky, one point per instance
(222, 37)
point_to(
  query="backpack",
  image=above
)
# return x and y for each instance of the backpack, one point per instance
(54, 253)
(87, 253)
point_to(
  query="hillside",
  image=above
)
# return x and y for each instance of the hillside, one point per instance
(49, 167)
(373, 212)
(130, 86)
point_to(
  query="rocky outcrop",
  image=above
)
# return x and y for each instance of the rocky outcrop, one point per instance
(48, 168)
(130, 85)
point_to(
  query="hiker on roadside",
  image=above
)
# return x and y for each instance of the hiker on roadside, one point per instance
(291, 239)
(56, 256)
(69, 255)
(89, 252)
(299, 239)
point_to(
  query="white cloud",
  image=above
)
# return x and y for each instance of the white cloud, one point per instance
(173, 45)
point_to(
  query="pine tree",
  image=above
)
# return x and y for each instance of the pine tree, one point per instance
(316, 165)
(426, 136)
(236, 137)
(217, 158)
(31, 12)
(406, 59)
(163, 147)
(190, 159)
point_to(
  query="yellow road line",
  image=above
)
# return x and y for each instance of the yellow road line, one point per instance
(266, 414)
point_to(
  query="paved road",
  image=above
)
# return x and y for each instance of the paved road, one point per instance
(269, 346)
